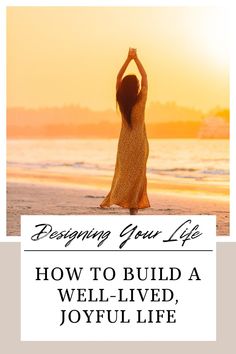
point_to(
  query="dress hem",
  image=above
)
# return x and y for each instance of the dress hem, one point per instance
(125, 207)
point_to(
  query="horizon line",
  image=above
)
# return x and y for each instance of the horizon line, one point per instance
(77, 105)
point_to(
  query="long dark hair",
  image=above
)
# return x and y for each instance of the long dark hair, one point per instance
(127, 95)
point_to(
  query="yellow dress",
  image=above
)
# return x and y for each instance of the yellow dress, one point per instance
(129, 184)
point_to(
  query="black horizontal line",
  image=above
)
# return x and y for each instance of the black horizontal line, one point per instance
(119, 250)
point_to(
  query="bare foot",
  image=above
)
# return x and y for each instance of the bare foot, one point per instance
(133, 211)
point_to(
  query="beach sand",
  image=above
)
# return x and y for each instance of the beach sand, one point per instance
(38, 199)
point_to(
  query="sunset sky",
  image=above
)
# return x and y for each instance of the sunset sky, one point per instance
(71, 55)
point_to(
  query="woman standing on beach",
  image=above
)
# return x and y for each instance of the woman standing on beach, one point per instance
(129, 185)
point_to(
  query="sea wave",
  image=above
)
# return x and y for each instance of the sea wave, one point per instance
(178, 172)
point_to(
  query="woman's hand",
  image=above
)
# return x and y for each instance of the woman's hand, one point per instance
(132, 53)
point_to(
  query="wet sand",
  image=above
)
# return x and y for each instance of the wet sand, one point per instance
(41, 199)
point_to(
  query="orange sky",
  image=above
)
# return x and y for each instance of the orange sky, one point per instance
(66, 55)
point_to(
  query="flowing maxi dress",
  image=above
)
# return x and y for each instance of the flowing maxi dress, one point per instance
(129, 184)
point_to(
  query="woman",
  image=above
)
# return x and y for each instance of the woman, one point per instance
(129, 185)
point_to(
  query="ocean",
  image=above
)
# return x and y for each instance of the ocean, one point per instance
(191, 160)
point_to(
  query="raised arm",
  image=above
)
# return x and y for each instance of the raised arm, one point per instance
(142, 72)
(122, 70)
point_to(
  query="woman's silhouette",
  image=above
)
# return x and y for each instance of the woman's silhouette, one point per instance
(129, 185)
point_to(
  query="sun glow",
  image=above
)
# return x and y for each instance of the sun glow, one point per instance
(58, 56)
(211, 38)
